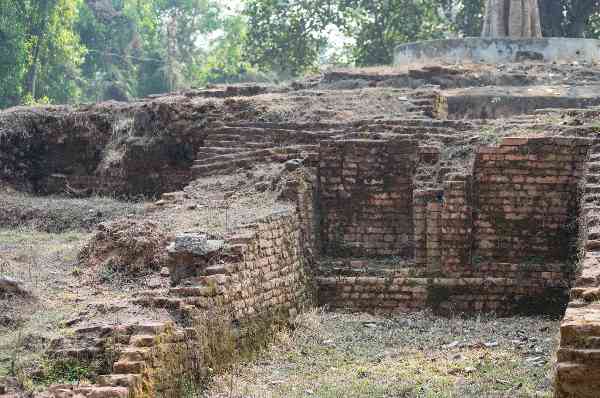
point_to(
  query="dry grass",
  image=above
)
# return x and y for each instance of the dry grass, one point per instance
(28, 324)
(58, 214)
(413, 355)
(62, 298)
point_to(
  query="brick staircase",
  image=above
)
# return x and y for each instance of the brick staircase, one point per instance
(196, 292)
(241, 146)
(132, 372)
(578, 358)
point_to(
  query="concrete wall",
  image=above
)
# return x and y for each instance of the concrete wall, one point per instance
(479, 50)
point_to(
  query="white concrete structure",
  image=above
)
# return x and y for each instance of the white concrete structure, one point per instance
(498, 50)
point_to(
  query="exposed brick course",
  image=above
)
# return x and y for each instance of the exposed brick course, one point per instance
(366, 196)
(526, 198)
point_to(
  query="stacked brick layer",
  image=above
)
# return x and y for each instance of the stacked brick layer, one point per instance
(366, 200)
(578, 357)
(494, 287)
(526, 198)
(494, 240)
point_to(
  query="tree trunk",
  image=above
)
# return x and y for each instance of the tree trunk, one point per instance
(551, 14)
(578, 15)
(39, 32)
(513, 18)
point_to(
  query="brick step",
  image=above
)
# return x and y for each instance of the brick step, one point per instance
(593, 167)
(446, 139)
(226, 137)
(190, 291)
(593, 234)
(224, 167)
(143, 341)
(234, 156)
(586, 356)
(276, 136)
(237, 144)
(592, 245)
(291, 150)
(252, 131)
(590, 198)
(591, 211)
(595, 149)
(155, 328)
(425, 130)
(129, 367)
(215, 150)
(135, 354)
(159, 302)
(592, 188)
(577, 380)
(580, 328)
(593, 178)
(120, 380)
(585, 294)
(88, 391)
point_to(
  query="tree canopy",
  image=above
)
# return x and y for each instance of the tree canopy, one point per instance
(68, 51)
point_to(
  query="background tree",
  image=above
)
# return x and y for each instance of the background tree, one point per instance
(287, 36)
(569, 18)
(380, 25)
(13, 50)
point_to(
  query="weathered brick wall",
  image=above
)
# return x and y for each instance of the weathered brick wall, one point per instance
(366, 196)
(498, 239)
(427, 223)
(535, 291)
(456, 225)
(270, 275)
(578, 365)
(525, 194)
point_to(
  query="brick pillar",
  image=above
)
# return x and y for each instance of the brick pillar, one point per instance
(420, 227)
(457, 223)
(426, 213)
(434, 218)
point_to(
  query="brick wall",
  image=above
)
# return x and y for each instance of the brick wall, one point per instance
(366, 196)
(265, 273)
(526, 201)
(499, 238)
(578, 367)
(535, 292)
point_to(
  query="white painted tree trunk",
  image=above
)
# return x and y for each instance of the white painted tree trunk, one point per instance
(512, 18)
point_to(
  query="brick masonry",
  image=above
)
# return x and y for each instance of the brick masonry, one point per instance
(474, 243)
(578, 356)
(526, 200)
(497, 238)
(366, 196)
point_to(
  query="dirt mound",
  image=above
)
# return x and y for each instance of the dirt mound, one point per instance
(126, 245)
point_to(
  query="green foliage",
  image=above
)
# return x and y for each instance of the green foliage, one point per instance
(287, 36)
(13, 47)
(68, 51)
(469, 17)
(378, 26)
(226, 61)
(65, 371)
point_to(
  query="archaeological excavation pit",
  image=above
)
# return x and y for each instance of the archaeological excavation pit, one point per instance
(387, 233)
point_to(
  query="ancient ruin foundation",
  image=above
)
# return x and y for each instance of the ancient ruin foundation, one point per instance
(469, 196)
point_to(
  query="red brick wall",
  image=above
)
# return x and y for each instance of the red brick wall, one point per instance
(526, 200)
(366, 197)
